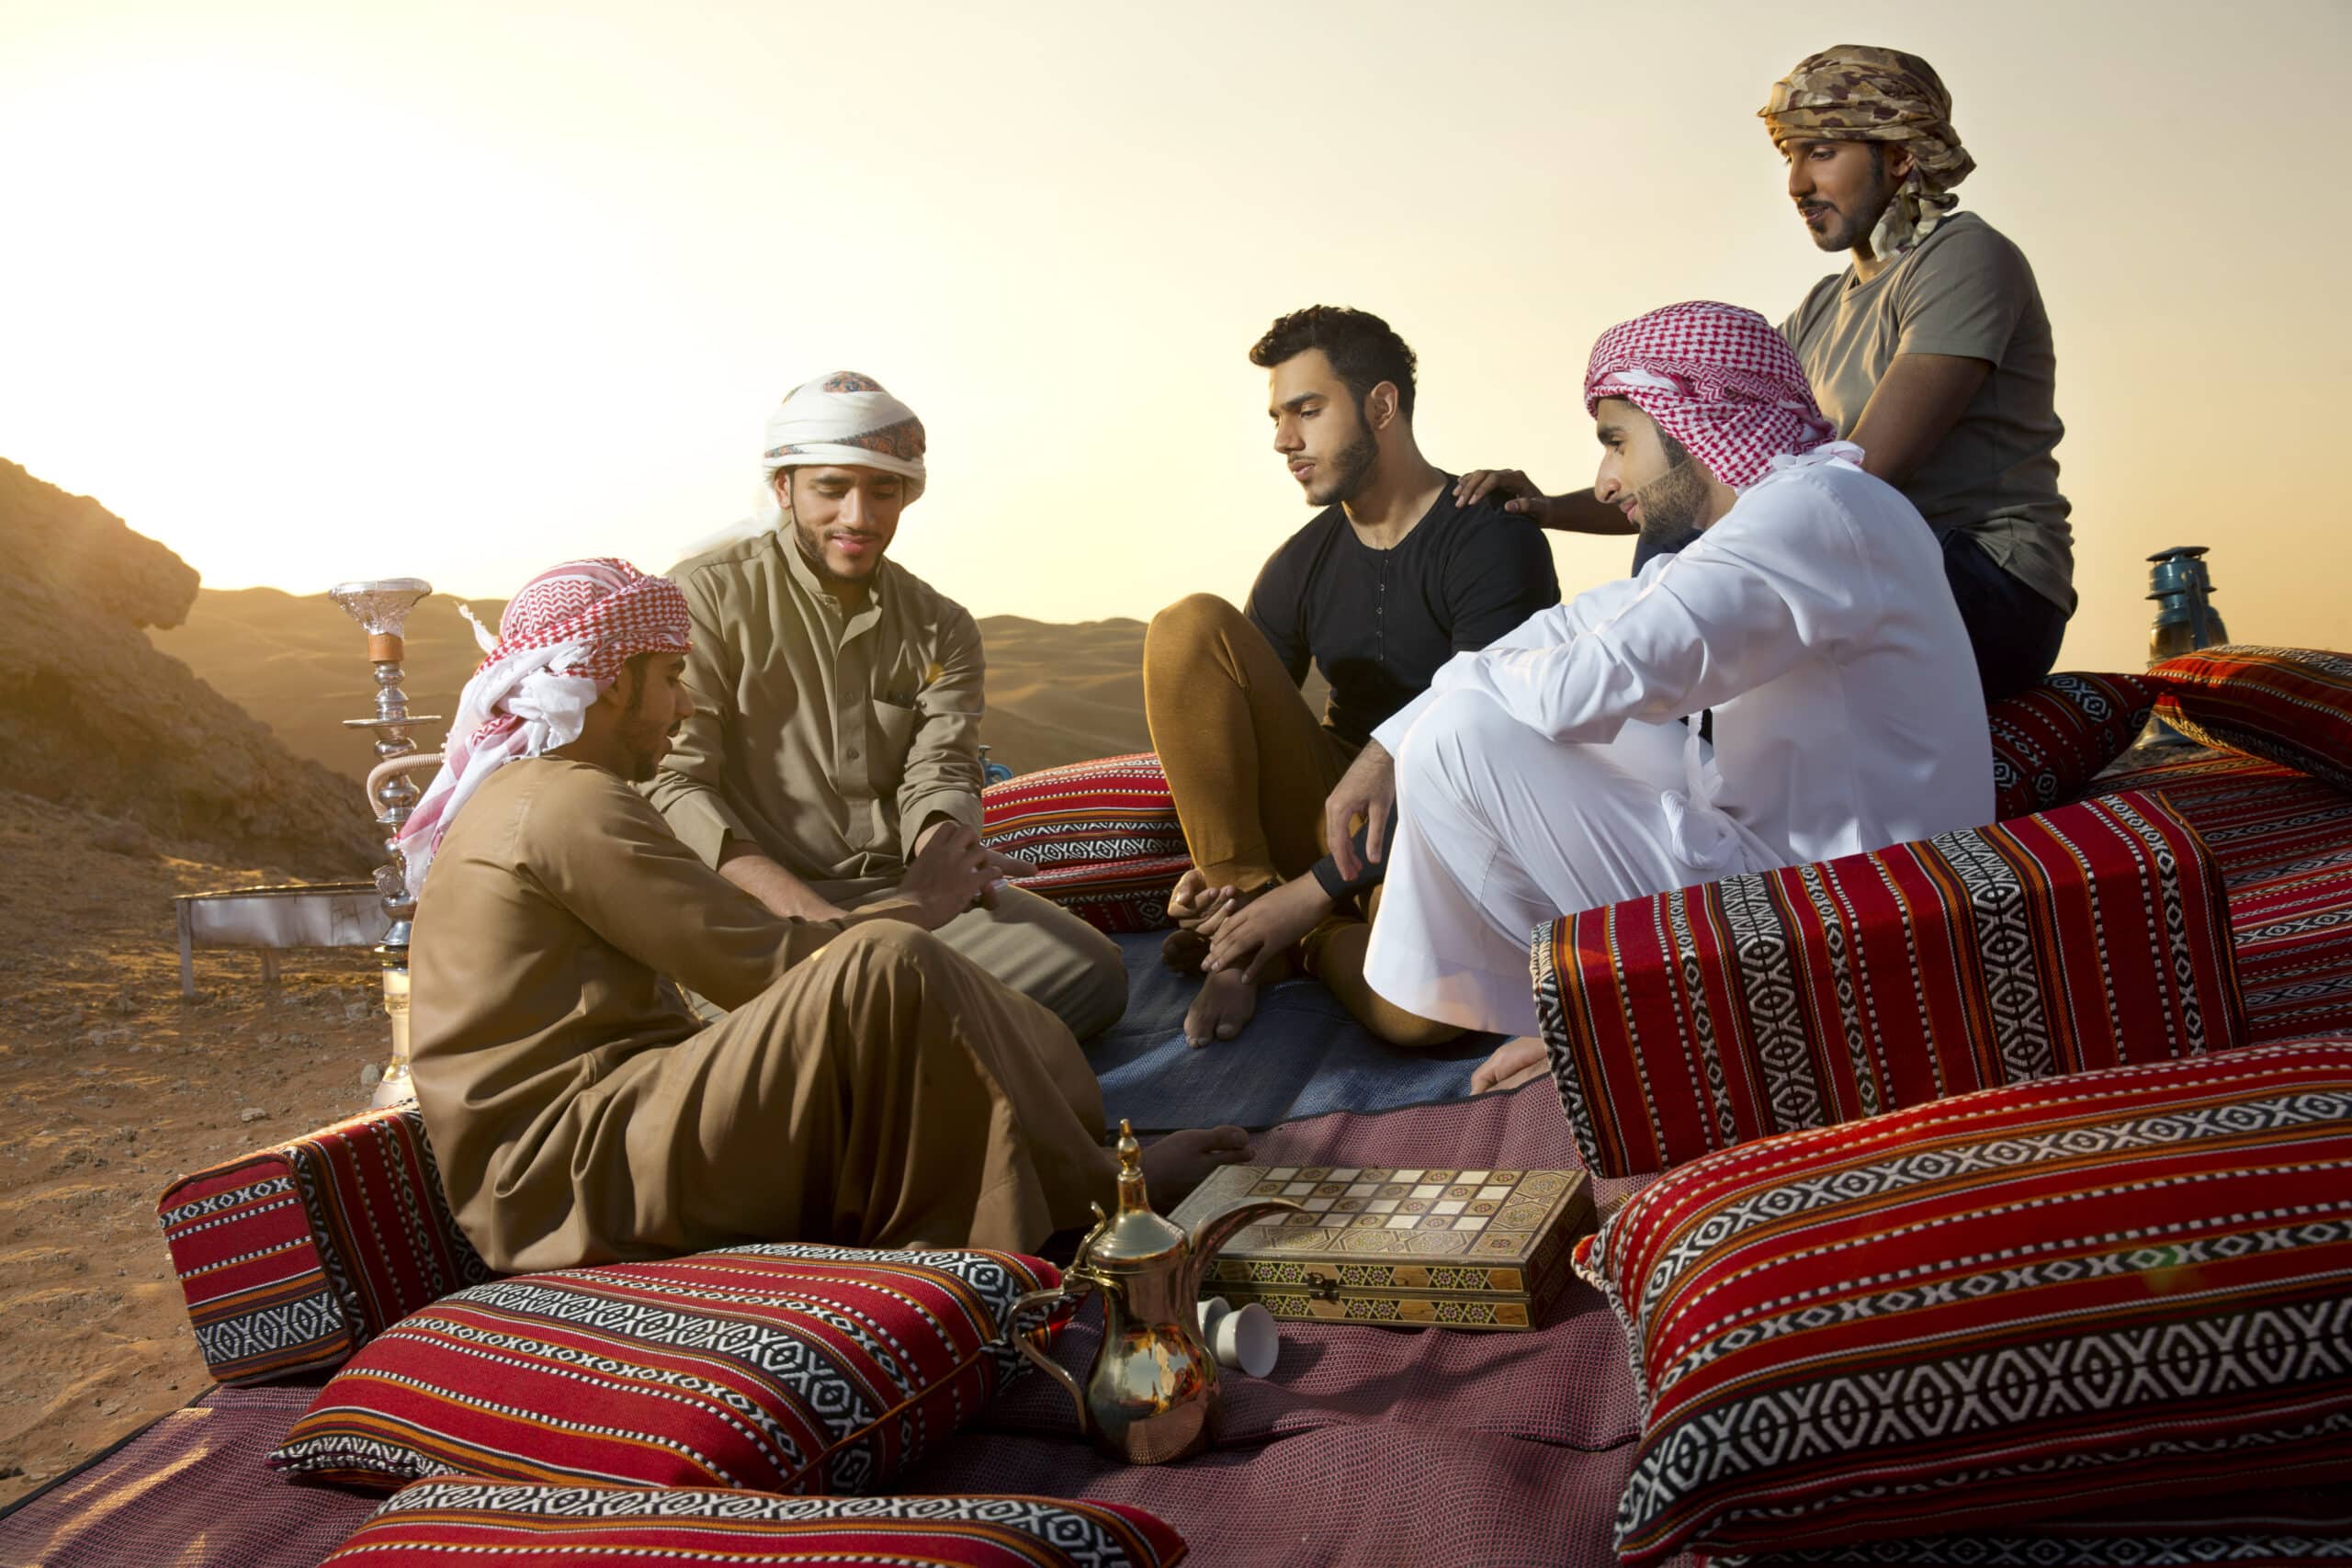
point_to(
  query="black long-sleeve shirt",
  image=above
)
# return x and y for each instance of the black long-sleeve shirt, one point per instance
(1378, 623)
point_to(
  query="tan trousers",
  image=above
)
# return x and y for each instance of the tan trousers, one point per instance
(1032, 945)
(1250, 767)
(883, 1092)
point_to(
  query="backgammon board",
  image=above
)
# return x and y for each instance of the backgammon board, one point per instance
(1424, 1247)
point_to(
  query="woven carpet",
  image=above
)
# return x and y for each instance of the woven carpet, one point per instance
(1366, 1445)
(1301, 1056)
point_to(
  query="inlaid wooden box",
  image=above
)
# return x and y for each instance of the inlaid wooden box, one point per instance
(1404, 1247)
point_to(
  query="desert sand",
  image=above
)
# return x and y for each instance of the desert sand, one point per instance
(111, 1085)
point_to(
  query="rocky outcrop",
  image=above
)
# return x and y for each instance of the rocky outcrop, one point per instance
(93, 717)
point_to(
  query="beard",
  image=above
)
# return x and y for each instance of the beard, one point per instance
(1674, 508)
(1841, 230)
(1838, 232)
(812, 550)
(643, 741)
(1351, 469)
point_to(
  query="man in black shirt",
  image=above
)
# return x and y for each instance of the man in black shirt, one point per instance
(1389, 581)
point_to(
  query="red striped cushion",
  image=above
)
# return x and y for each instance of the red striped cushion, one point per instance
(463, 1522)
(778, 1367)
(2050, 740)
(1112, 810)
(1125, 896)
(2267, 1528)
(293, 1258)
(2290, 704)
(2283, 841)
(2093, 934)
(2021, 1303)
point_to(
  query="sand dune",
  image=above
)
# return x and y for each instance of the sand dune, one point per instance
(1057, 694)
(299, 665)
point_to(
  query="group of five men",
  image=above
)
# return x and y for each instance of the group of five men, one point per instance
(728, 960)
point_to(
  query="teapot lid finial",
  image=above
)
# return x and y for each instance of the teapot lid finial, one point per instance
(1133, 1196)
(1134, 1234)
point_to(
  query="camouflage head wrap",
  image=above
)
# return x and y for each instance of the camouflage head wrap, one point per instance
(1855, 93)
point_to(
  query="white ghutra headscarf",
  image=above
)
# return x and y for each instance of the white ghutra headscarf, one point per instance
(845, 418)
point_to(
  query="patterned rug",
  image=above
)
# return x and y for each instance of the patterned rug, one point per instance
(1367, 1445)
(1301, 1056)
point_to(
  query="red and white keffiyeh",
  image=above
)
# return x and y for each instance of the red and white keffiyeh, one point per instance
(563, 639)
(1716, 378)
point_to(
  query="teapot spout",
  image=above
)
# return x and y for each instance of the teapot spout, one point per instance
(1211, 1235)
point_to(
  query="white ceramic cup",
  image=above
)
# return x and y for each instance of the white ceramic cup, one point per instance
(1245, 1338)
(1211, 1311)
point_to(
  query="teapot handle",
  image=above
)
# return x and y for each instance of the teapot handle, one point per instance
(1028, 1344)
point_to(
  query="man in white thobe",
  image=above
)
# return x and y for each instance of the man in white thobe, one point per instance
(1809, 614)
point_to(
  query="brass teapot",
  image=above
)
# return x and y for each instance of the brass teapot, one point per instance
(1152, 1394)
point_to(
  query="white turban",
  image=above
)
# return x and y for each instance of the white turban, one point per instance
(844, 419)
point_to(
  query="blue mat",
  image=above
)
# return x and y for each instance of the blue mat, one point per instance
(1301, 1056)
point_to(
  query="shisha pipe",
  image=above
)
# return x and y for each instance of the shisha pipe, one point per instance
(382, 606)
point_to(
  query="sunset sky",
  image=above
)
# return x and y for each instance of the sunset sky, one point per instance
(315, 291)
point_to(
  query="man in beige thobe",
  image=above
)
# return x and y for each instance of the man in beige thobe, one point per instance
(868, 1087)
(839, 719)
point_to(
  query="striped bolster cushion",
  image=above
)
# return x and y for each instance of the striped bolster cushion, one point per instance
(1098, 813)
(2050, 740)
(1125, 896)
(2027, 1303)
(777, 1367)
(2290, 704)
(2271, 1527)
(293, 1258)
(2094, 934)
(463, 1522)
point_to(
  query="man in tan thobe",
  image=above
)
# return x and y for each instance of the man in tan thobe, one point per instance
(868, 1087)
(839, 719)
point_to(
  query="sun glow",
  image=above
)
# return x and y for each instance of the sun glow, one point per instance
(312, 293)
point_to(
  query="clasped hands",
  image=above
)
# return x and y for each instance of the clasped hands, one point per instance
(1254, 936)
(952, 871)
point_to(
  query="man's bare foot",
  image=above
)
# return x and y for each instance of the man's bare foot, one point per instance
(1227, 1000)
(1181, 1161)
(1185, 950)
(1514, 1062)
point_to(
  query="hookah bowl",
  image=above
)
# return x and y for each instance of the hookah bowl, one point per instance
(382, 607)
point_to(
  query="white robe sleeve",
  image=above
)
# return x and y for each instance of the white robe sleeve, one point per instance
(1546, 628)
(1780, 574)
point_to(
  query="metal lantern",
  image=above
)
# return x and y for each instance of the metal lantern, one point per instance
(2185, 621)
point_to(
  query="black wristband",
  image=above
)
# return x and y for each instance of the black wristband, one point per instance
(1326, 870)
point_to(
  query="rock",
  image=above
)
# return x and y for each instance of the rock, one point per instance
(118, 837)
(253, 1114)
(90, 710)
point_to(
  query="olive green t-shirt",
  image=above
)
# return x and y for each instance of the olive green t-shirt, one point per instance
(1964, 290)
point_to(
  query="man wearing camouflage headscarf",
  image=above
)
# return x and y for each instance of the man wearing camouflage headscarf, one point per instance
(1932, 351)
